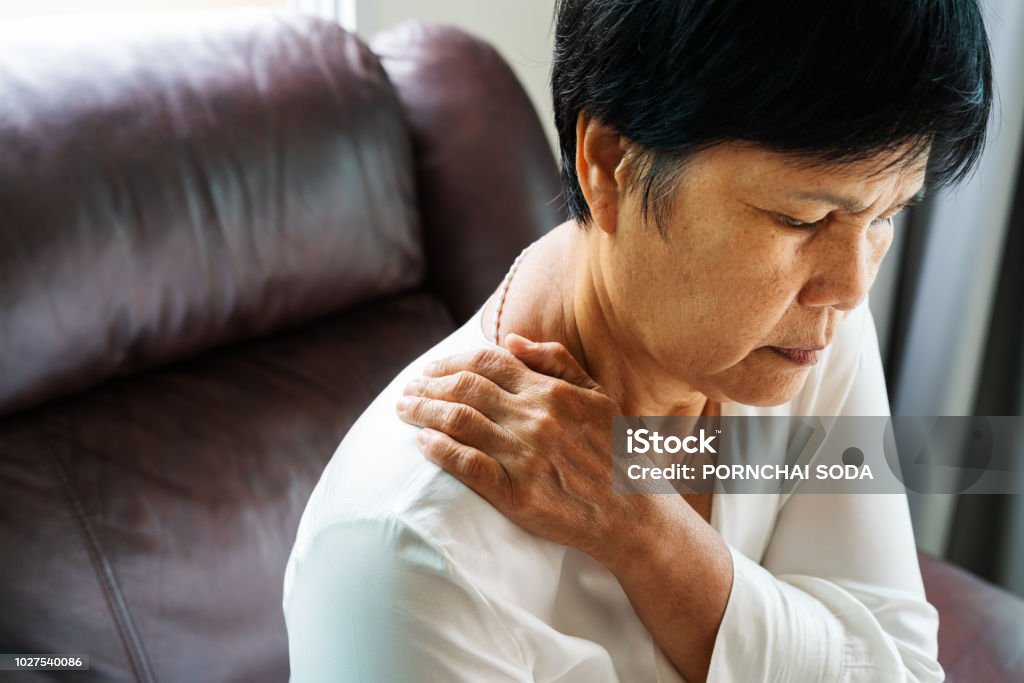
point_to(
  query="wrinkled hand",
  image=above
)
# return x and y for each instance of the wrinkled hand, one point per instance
(532, 434)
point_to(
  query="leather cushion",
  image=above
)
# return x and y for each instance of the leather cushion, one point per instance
(170, 185)
(148, 522)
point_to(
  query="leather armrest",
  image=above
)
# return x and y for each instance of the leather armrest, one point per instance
(981, 627)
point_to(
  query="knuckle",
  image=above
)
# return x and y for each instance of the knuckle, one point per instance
(463, 384)
(501, 363)
(558, 391)
(546, 422)
(461, 417)
(414, 409)
(431, 444)
(433, 447)
(444, 450)
(482, 358)
(561, 352)
(469, 465)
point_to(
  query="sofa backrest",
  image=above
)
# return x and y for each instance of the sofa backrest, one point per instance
(486, 178)
(174, 185)
(212, 258)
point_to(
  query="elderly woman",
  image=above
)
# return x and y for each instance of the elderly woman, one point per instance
(732, 170)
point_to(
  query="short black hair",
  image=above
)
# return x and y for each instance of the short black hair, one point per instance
(830, 80)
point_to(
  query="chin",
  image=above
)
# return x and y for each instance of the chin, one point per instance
(766, 394)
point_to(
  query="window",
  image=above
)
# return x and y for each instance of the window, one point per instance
(26, 8)
(343, 11)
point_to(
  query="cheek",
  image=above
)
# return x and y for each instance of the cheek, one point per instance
(751, 295)
(712, 295)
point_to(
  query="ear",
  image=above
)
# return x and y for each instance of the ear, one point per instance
(601, 168)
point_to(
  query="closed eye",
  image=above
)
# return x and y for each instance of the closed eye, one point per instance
(898, 209)
(791, 222)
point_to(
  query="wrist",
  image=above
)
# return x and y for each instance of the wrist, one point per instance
(649, 525)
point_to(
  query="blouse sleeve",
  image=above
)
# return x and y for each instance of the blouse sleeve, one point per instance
(838, 594)
(373, 602)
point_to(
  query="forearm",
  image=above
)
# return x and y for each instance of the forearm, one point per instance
(677, 572)
(828, 615)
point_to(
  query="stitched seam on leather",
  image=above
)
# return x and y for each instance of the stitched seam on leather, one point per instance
(105, 573)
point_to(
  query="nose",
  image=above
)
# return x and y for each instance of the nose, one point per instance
(843, 267)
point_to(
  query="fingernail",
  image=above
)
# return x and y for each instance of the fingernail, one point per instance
(415, 387)
(421, 437)
(404, 403)
(431, 369)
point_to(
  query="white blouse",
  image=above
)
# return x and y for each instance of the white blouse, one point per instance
(400, 573)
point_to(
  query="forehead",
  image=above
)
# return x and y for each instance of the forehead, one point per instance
(748, 165)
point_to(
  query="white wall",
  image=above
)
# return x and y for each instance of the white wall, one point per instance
(521, 30)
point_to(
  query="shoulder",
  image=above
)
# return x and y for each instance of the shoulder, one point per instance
(378, 479)
(377, 465)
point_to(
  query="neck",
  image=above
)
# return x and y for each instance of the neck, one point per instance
(558, 294)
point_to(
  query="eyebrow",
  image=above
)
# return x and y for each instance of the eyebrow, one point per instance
(849, 205)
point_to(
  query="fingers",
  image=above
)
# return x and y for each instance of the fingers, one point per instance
(510, 371)
(478, 471)
(499, 367)
(550, 358)
(465, 424)
(465, 387)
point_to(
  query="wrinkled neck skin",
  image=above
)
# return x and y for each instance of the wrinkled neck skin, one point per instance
(558, 294)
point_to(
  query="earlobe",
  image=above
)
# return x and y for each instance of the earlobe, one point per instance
(600, 164)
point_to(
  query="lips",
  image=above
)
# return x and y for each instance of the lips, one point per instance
(801, 357)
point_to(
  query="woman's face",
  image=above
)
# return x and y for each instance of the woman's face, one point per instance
(738, 276)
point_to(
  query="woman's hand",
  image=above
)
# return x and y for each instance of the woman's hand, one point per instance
(532, 434)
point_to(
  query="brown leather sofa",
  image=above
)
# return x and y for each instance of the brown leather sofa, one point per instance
(220, 237)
